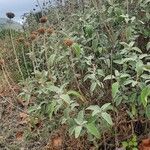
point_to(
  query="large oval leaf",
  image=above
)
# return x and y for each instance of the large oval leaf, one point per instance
(107, 117)
(93, 130)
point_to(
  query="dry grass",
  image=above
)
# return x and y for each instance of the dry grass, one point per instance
(2, 82)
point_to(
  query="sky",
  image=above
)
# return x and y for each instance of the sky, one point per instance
(19, 7)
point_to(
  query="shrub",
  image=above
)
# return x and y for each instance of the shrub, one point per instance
(92, 67)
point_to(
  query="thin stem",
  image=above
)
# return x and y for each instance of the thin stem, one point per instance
(76, 80)
(83, 7)
(113, 102)
(39, 6)
(127, 3)
(19, 109)
(30, 52)
(112, 41)
(104, 139)
(6, 71)
(34, 58)
(7, 80)
(15, 53)
(46, 53)
(25, 62)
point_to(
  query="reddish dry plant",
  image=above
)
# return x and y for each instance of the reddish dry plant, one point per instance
(2, 62)
(43, 19)
(24, 118)
(145, 144)
(19, 135)
(57, 142)
(68, 42)
(10, 15)
(41, 30)
(50, 30)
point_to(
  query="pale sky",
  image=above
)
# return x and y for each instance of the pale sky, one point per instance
(19, 7)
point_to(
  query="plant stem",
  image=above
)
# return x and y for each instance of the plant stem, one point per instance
(73, 70)
(127, 3)
(39, 6)
(6, 71)
(111, 36)
(7, 80)
(18, 108)
(110, 32)
(30, 52)
(16, 57)
(104, 139)
(34, 58)
(46, 53)
(25, 62)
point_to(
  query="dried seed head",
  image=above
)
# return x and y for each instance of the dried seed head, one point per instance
(33, 37)
(34, 32)
(43, 19)
(50, 30)
(41, 30)
(21, 40)
(27, 44)
(68, 42)
(10, 15)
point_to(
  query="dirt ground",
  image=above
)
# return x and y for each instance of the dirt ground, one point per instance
(11, 129)
(16, 133)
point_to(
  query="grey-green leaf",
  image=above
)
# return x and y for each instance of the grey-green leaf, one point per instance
(93, 86)
(107, 117)
(65, 98)
(109, 77)
(80, 117)
(74, 93)
(144, 95)
(78, 131)
(115, 89)
(96, 109)
(92, 129)
(105, 106)
(77, 49)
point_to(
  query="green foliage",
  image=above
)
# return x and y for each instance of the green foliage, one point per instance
(131, 143)
(71, 84)
(144, 95)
